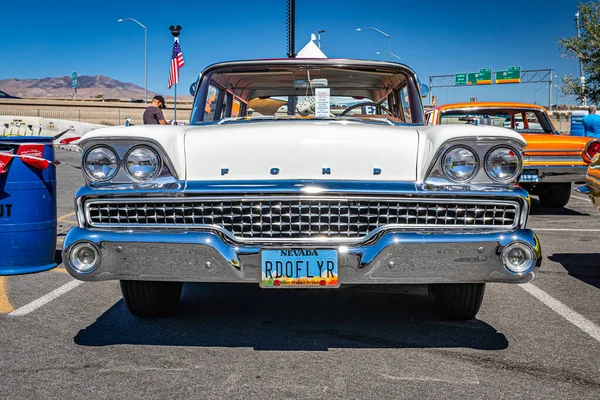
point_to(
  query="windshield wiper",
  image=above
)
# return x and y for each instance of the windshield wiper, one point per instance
(367, 120)
(234, 119)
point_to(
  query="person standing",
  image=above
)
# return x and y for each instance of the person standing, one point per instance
(591, 123)
(154, 114)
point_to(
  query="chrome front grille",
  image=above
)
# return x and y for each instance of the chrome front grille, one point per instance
(299, 217)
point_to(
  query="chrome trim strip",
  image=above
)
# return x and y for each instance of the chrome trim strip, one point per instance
(573, 159)
(313, 187)
(318, 239)
(527, 151)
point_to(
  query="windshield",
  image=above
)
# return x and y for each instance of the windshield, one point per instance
(294, 91)
(522, 121)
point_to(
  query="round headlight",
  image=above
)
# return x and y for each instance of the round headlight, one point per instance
(460, 164)
(502, 164)
(142, 163)
(101, 163)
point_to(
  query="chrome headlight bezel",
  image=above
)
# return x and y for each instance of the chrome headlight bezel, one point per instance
(518, 171)
(155, 173)
(450, 176)
(86, 171)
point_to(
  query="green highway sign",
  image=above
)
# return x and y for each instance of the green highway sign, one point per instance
(74, 82)
(460, 79)
(472, 78)
(483, 77)
(511, 75)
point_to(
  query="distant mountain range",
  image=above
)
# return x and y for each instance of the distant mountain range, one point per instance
(60, 87)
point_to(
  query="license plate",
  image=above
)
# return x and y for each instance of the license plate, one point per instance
(529, 176)
(299, 268)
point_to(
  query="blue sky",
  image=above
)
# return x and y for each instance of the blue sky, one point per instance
(432, 37)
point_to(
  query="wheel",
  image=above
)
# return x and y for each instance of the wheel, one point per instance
(555, 194)
(460, 301)
(151, 299)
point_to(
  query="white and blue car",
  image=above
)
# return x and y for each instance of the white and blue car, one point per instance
(310, 195)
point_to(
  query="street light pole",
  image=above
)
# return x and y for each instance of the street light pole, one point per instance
(581, 76)
(535, 93)
(392, 54)
(384, 34)
(319, 36)
(145, 55)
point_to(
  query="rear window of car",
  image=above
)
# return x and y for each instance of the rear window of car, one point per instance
(533, 121)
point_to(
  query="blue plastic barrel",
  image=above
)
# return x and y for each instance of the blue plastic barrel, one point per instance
(27, 210)
(577, 123)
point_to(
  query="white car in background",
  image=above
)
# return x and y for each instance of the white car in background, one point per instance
(317, 200)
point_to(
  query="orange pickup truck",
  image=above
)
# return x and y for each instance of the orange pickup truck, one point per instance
(551, 162)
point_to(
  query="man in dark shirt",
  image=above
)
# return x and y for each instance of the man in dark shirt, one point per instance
(591, 123)
(154, 114)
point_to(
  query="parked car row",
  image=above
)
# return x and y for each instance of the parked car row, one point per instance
(312, 198)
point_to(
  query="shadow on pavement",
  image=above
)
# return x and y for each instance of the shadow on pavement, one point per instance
(310, 320)
(538, 209)
(583, 266)
(58, 257)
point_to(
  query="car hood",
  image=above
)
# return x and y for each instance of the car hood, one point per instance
(340, 150)
(555, 143)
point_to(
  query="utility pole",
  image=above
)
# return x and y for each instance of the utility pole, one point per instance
(581, 76)
(550, 91)
(319, 36)
(291, 28)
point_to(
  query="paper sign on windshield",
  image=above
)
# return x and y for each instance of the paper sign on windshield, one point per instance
(322, 102)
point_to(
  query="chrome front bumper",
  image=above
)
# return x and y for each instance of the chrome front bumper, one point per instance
(394, 257)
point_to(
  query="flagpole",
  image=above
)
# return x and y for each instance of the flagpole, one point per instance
(176, 63)
(175, 105)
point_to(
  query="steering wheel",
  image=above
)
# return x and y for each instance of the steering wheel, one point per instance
(367, 103)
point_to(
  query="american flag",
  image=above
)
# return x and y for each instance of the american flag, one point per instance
(176, 63)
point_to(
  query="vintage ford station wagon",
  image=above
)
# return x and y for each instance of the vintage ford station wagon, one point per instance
(303, 173)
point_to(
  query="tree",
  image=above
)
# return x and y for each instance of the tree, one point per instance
(586, 48)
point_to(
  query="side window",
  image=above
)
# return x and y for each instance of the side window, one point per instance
(404, 101)
(211, 103)
(386, 105)
(225, 107)
(428, 117)
(236, 108)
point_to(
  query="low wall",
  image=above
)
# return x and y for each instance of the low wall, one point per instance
(39, 126)
(94, 112)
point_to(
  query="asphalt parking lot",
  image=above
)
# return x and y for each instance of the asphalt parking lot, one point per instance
(60, 338)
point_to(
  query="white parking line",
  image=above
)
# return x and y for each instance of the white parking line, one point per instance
(34, 305)
(581, 198)
(561, 309)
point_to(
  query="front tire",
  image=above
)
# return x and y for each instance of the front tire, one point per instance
(459, 301)
(151, 299)
(555, 195)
